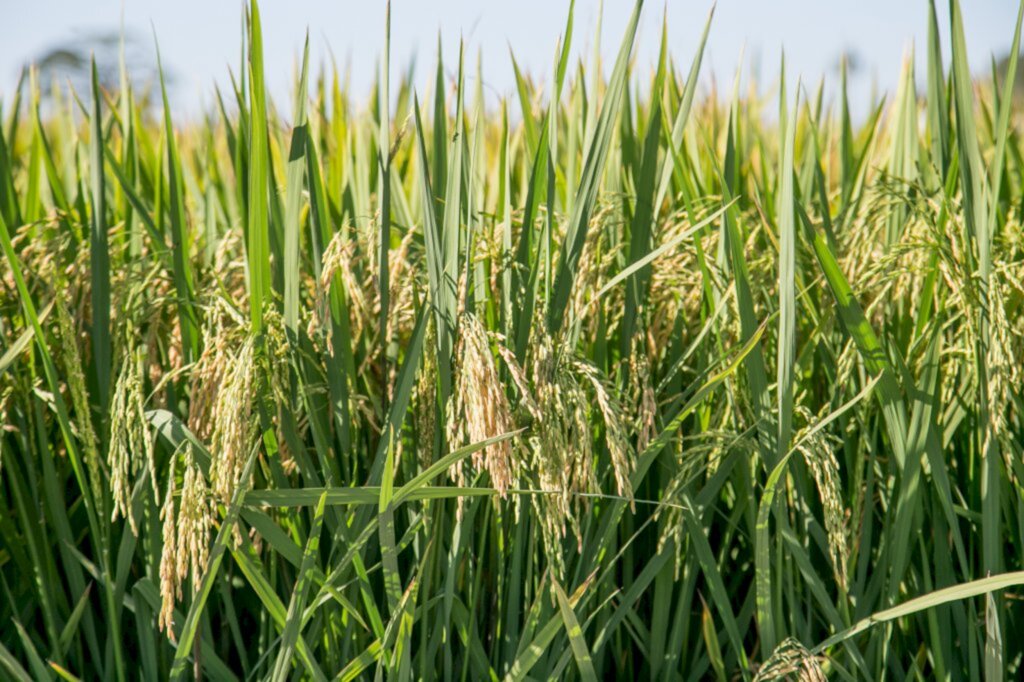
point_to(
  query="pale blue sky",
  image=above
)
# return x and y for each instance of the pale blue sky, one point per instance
(199, 38)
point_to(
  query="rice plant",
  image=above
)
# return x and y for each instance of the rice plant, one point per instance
(622, 377)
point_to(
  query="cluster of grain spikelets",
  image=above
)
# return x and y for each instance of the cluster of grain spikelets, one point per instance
(223, 331)
(479, 408)
(615, 431)
(864, 243)
(424, 399)
(791, 661)
(932, 242)
(1006, 344)
(1002, 358)
(140, 299)
(222, 390)
(560, 444)
(233, 425)
(676, 284)
(274, 367)
(129, 436)
(898, 272)
(56, 262)
(816, 447)
(224, 385)
(597, 262)
(69, 343)
(186, 536)
(996, 300)
(402, 271)
(338, 260)
(229, 266)
(351, 258)
(144, 318)
(49, 251)
(558, 393)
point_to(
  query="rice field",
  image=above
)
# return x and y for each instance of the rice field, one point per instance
(620, 377)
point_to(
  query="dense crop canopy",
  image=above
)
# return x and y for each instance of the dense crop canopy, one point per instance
(616, 378)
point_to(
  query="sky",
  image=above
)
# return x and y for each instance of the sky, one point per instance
(199, 39)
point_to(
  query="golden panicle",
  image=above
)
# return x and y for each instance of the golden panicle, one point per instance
(170, 586)
(337, 260)
(519, 379)
(186, 536)
(611, 413)
(233, 423)
(276, 376)
(223, 332)
(817, 450)
(195, 518)
(595, 263)
(479, 408)
(677, 285)
(403, 292)
(130, 438)
(791, 661)
(1004, 372)
(560, 442)
(221, 391)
